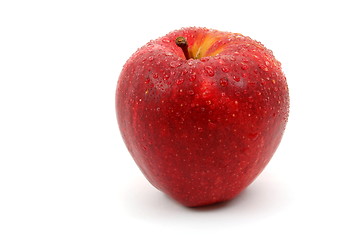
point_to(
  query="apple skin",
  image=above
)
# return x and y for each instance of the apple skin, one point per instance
(201, 130)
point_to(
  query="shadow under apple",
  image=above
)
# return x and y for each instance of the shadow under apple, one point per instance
(263, 198)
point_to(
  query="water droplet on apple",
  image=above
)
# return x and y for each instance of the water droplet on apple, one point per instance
(155, 75)
(253, 136)
(211, 124)
(158, 109)
(147, 80)
(225, 69)
(150, 45)
(263, 67)
(165, 40)
(236, 78)
(208, 102)
(200, 129)
(151, 58)
(166, 77)
(192, 77)
(175, 64)
(244, 66)
(209, 71)
(190, 92)
(224, 82)
(179, 81)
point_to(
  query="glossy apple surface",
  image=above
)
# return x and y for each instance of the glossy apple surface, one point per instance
(202, 129)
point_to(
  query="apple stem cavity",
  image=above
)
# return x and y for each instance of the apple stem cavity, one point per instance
(183, 44)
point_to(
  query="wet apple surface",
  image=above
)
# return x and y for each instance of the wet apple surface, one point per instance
(202, 127)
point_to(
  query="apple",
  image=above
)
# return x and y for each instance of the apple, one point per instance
(202, 112)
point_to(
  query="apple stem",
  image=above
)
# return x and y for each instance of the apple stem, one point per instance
(183, 44)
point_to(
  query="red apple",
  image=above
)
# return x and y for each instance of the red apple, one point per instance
(202, 112)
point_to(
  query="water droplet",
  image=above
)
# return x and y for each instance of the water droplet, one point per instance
(263, 67)
(205, 93)
(151, 58)
(165, 40)
(190, 92)
(244, 66)
(237, 93)
(168, 54)
(225, 69)
(179, 81)
(175, 64)
(273, 81)
(253, 136)
(224, 82)
(192, 77)
(208, 102)
(184, 72)
(209, 71)
(150, 45)
(236, 78)
(155, 75)
(147, 80)
(211, 124)
(200, 129)
(158, 109)
(166, 77)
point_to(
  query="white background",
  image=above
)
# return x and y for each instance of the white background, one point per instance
(66, 174)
